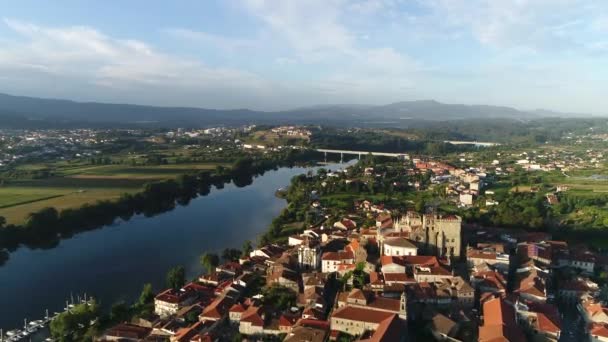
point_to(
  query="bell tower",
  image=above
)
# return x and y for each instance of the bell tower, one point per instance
(403, 306)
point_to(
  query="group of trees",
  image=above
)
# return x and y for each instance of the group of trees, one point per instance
(279, 297)
(211, 260)
(78, 324)
(373, 140)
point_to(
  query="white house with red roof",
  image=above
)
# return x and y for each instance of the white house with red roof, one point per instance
(334, 261)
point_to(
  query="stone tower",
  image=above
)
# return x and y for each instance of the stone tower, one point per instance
(443, 234)
(403, 306)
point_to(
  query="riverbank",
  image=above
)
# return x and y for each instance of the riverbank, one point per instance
(48, 226)
(113, 263)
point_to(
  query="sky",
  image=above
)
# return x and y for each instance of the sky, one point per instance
(278, 54)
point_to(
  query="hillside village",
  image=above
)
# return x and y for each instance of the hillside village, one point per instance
(377, 271)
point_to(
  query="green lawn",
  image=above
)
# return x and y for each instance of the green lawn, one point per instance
(77, 184)
(10, 196)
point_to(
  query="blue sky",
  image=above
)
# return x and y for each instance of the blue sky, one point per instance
(274, 54)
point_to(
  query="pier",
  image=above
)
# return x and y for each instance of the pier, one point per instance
(31, 327)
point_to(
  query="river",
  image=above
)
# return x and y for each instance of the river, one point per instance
(114, 262)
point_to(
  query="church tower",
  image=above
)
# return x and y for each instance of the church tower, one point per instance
(403, 306)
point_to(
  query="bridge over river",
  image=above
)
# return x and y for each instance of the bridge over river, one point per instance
(360, 153)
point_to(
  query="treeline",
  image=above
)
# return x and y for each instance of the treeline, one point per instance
(374, 141)
(46, 228)
(507, 130)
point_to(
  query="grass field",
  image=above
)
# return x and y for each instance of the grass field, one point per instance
(65, 198)
(76, 185)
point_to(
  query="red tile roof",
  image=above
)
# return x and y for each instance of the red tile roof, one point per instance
(390, 329)
(129, 331)
(421, 260)
(342, 255)
(499, 322)
(360, 314)
(597, 329)
(252, 315)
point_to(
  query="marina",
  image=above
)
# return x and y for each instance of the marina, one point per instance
(32, 327)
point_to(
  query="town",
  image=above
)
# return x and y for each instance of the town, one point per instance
(373, 271)
(451, 247)
(304, 170)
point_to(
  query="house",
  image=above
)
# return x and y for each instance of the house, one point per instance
(217, 309)
(584, 261)
(126, 332)
(168, 302)
(431, 273)
(331, 261)
(541, 252)
(236, 311)
(455, 292)
(391, 264)
(358, 250)
(443, 328)
(542, 321)
(466, 199)
(398, 278)
(369, 300)
(284, 277)
(577, 290)
(268, 252)
(345, 224)
(499, 323)
(529, 286)
(358, 320)
(489, 281)
(398, 246)
(384, 220)
(308, 330)
(391, 329)
(593, 312)
(461, 292)
(598, 332)
(477, 257)
(252, 321)
(188, 333)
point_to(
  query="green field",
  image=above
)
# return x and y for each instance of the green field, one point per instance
(75, 185)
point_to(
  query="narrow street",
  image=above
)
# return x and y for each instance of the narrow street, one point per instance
(573, 329)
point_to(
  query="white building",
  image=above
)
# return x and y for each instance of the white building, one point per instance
(398, 246)
(466, 199)
(331, 261)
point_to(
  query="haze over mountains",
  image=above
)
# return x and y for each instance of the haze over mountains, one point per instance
(18, 111)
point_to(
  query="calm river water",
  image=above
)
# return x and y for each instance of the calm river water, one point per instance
(113, 263)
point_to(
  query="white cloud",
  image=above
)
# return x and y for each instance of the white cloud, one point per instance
(310, 27)
(227, 44)
(83, 55)
(317, 33)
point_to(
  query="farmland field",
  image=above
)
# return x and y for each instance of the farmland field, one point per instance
(74, 185)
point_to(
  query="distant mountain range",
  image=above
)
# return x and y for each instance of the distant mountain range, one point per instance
(19, 111)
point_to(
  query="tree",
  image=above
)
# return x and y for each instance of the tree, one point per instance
(210, 261)
(231, 254)
(176, 278)
(2, 221)
(119, 312)
(42, 221)
(192, 317)
(73, 325)
(247, 248)
(282, 298)
(419, 205)
(147, 295)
